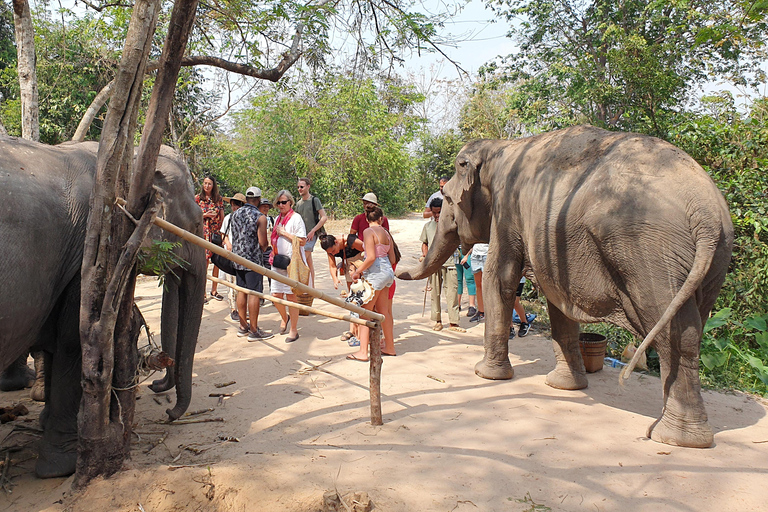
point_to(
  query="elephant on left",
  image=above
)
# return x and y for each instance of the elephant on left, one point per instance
(45, 201)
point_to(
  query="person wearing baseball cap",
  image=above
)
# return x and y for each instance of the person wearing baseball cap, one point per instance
(249, 240)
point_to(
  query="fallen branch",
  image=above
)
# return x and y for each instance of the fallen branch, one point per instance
(201, 411)
(155, 444)
(174, 468)
(225, 384)
(214, 395)
(201, 420)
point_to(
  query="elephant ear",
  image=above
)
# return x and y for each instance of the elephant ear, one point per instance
(468, 164)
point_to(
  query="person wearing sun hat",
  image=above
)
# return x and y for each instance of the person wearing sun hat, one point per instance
(236, 201)
(359, 223)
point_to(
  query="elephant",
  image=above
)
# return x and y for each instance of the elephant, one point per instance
(46, 193)
(616, 227)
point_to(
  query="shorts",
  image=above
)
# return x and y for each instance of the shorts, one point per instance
(250, 280)
(310, 245)
(277, 286)
(478, 263)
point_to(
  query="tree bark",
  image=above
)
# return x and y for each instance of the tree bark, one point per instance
(25, 55)
(106, 271)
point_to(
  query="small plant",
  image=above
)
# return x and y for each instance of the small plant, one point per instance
(534, 507)
(727, 363)
(159, 259)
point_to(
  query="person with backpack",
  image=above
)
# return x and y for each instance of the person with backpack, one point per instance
(311, 210)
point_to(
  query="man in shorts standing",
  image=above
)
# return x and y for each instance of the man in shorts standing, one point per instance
(249, 234)
(311, 210)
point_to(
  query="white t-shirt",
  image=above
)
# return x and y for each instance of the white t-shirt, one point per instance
(225, 227)
(436, 194)
(294, 226)
(480, 250)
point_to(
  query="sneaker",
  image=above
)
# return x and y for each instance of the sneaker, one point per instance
(472, 311)
(259, 334)
(242, 332)
(524, 328)
(511, 333)
(478, 317)
(234, 316)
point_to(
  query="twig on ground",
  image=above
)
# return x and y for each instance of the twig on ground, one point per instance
(219, 394)
(311, 367)
(225, 384)
(179, 466)
(154, 444)
(201, 420)
(435, 378)
(199, 411)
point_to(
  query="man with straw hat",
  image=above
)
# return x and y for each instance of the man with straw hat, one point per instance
(359, 223)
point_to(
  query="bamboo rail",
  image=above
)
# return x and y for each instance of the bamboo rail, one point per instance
(300, 307)
(374, 319)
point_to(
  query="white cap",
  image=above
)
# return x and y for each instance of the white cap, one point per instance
(371, 198)
(253, 192)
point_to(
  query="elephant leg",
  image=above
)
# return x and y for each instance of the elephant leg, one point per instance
(683, 420)
(498, 316)
(58, 447)
(169, 329)
(17, 375)
(37, 393)
(187, 319)
(569, 370)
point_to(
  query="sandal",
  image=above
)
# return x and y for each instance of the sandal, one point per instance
(284, 328)
(351, 357)
(346, 336)
(386, 354)
(353, 342)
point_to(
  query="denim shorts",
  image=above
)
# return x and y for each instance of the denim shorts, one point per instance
(478, 263)
(310, 245)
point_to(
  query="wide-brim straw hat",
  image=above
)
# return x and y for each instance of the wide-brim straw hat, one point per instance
(237, 197)
(371, 198)
(367, 289)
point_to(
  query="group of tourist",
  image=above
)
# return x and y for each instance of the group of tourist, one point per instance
(251, 233)
(367, 254)
(460, 269)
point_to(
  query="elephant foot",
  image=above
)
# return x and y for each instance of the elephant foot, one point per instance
(681, 433)
(54, 461)
(495, 371)
(37, 393)
(564, 379)
(164, 384)
(17, 376)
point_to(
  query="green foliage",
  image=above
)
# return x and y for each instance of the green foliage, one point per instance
(728, 363)
(349, 136)
(434, 159)
(160, 259)
(629, 65)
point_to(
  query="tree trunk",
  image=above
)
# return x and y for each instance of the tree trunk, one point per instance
(109, 352)
(25, 49)
(107, 272)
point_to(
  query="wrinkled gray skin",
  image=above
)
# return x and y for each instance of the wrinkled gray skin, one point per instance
(616, 227)
(45, 200)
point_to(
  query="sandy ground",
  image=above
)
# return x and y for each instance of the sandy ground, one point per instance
(450, 440)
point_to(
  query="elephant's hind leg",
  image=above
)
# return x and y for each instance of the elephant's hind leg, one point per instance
(569, 370)
(683, 421)
(58, 448)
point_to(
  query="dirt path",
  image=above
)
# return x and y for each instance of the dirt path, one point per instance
(450, 440)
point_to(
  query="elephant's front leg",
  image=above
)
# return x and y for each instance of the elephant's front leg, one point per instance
(498, 316)
(569, 370)
(169, 328)
(683, 421)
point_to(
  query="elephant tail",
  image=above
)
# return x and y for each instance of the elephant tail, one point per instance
(705, 252)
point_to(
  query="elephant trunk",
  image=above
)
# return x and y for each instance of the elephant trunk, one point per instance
(190, 311)
(442, 247)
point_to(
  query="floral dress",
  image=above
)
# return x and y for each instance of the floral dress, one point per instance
(210, 225)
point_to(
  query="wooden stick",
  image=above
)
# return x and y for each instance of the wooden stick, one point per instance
(186, 235)
(300, 307)
(375, 375)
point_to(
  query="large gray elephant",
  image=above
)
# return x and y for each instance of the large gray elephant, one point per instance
(617, 227)
(46, 191)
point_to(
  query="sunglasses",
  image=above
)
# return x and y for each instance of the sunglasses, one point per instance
(300, 187)
(282, 202)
